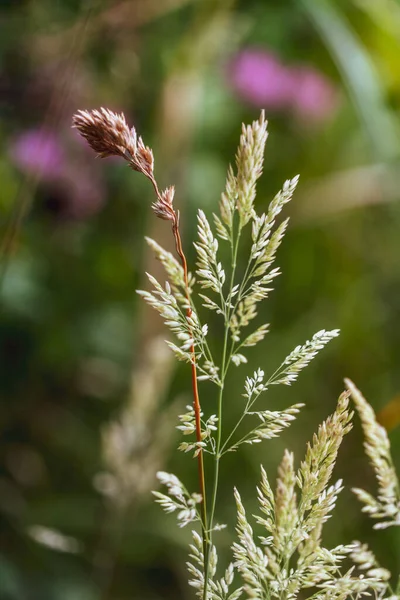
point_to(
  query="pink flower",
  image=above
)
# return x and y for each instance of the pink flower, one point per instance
(38, 151)
(68, 189)
(315, 96)
(261, 79)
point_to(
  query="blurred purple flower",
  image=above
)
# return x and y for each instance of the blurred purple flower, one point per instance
(68, 189)
(259, 78)
(75, 194)
(315, 98)
(38, 151)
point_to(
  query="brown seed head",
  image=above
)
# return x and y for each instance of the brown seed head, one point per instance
(164, 211)
(167, 195)
(107, 133)
(144, 160)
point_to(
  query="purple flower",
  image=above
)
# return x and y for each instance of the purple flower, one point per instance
(38, 151)
(68, 188)
(261, 79)
(315, 97)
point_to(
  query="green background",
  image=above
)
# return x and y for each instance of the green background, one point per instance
(76, 342)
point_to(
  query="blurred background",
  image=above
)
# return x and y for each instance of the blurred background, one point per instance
(89, 391)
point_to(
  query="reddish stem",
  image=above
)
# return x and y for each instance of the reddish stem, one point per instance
(196, 400)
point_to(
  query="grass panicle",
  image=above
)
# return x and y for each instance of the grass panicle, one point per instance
(286, 558)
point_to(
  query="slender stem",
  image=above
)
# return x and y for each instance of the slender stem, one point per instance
(242, 439)
(223, 449)
(224, 363)
(197, 412)
(244, 414)
(196, 399)
(174, 217)
(219, 437)
(249, 405)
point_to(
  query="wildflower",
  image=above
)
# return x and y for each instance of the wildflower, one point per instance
(259, 78)
(38, 151)
(315, 97)
(65, 189)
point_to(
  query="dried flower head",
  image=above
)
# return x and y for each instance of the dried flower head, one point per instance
(107, 133)
(38, 151)
(163, 205)
(144, 160)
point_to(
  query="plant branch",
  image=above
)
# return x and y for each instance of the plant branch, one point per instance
(224, 368)
(195, 391)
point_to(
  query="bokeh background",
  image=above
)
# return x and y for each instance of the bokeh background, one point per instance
(89, 392)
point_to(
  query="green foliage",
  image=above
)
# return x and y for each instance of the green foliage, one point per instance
(89, 392)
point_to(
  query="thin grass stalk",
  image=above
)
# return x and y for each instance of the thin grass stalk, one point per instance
(224, 369)
(195, 390)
